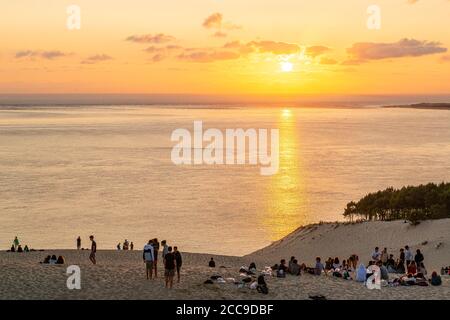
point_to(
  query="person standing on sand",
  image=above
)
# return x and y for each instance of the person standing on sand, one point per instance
(131, 245)
(169, 265)
(179, 261)
(165, 249)
(93, 250)
(155, 244)
(118, 246)
(408, 256)
(78, 243)
(148, 257)
(15, 243)
(384, 256)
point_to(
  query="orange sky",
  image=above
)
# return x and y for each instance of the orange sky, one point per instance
(225, 47)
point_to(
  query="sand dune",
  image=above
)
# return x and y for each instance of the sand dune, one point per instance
(120, 274)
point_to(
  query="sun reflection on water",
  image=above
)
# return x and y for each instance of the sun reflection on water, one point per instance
(286, 190)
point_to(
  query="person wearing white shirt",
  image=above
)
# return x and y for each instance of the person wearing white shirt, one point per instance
(149, 258)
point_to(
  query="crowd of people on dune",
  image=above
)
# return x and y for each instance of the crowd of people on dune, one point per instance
(409, 267)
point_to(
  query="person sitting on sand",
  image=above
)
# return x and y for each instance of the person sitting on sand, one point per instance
(376, 254)
(252, 268)
(211, 263)
(336, 264)
(60, 260)
(53, 259)
(12, 249)
(412, 268)
(262, 285)
(361, 273)
(282, 269)
(400, 266)
(328, 264)
(46, 260)
(19, 248)
(384, 274)
(421, 269)
(290, 263)
(295, 268)
(26, 249)
(390, 262)
(318, 267)
(435, 279)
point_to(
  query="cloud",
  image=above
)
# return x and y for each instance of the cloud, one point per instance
(329, 61)
(149, 38)
(96, 58)
(220, 34)
(275, 47)
(364, 51)
(206, 56)
(49, 55)
(445, 58)
(215, 21)
(315, 51)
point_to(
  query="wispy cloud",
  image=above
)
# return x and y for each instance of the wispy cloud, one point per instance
(96, 58)
(215, 21)
(151, 38)
(315, 51)
(275, 47)
(49, 55)
(207, 56)
(328, 61)
(366, 51)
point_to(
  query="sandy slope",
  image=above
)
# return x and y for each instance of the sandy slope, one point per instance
(342, 240)
(120, 275)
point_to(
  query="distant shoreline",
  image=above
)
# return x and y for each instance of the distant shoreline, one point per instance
(426, 106)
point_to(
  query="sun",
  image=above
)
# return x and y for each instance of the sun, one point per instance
(286, 66)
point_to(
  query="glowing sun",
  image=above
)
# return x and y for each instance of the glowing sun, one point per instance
(286, 66)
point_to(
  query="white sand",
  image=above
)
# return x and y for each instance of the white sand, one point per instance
(121, 275)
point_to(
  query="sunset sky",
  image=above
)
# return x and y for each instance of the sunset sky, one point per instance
(225, 47)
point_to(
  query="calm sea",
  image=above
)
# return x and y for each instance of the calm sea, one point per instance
(69, 171)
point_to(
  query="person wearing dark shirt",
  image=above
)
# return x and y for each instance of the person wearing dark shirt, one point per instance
(155, 253)
(78, 243)
(418, 258)
(212, 264)
(179, 261)
(93, 250)
(169, 265)
(282, 269)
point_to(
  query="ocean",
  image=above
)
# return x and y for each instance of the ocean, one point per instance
(70, 171)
